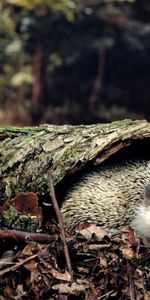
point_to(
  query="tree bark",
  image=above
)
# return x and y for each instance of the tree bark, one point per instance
(26, 154)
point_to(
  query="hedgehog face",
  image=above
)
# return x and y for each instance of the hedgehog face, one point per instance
(141, 220)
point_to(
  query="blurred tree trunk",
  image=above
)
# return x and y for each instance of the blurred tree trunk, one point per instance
(98, 81)
(39, 94)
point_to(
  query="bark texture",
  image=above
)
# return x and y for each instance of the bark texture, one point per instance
(26, 154)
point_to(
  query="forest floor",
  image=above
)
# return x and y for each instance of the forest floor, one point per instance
(105, 264)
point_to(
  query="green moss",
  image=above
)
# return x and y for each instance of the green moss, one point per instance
(15, 129)
(13, 219)
(10, 216)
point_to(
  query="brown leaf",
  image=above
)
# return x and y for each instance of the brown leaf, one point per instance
(103, 261)
(8, 292)
(130, 243)
(147, 295)
(129, 236)
(83, 270)
(26, 204)
(31, 265)
(93, 230)
(20, 293)
(7, 259)
(127, 252)
(75, 288)
(30, 249)
(61, 276)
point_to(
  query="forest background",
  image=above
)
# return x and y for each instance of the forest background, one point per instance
(74, 61)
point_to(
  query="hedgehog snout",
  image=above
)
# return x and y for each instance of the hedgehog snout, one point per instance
(141, 221)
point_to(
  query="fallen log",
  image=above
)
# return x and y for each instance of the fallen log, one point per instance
(26, 154)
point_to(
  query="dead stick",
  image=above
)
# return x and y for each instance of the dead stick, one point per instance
(61, 225)
(27, 236)
(17, 265)
(132, 288)
(131, 283)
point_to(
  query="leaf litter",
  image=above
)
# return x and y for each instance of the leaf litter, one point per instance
(105, 265)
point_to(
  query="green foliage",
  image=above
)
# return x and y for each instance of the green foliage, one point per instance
(13, 219)
(24, 76)
(40, 7)
(7, 24)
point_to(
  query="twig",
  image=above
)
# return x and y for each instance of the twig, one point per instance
(106, 295)
(131, 284)
(27, 236)
(61, 225)
(145, 257)
(132, 288)
(98, 80)
(17, 265)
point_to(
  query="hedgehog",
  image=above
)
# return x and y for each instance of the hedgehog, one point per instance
(111, 196)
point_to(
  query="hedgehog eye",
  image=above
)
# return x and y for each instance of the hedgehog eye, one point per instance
(147, 194)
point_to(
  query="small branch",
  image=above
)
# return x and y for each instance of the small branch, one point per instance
(61, 226)
(131, 283)
(144, 257)
(98, 80)
(106, 295)
(27, 236)
(132, 288)
(17, 265)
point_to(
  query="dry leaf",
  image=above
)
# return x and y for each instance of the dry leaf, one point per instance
(91, 230)
(61, 276)
(75, 288)
(26, 204)
(130, 243)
